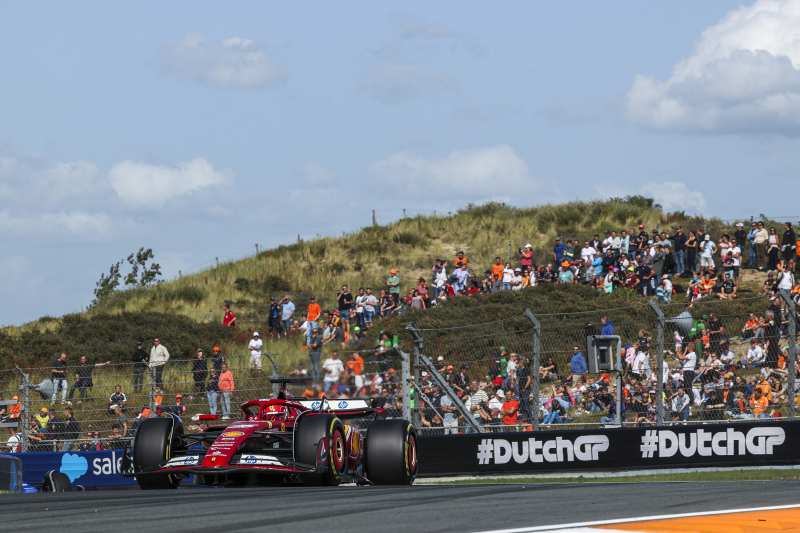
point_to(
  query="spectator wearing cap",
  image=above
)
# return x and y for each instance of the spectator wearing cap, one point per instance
(255, 346)
(42, 418)
(707, 250)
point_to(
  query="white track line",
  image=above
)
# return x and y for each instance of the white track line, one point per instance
(558, 527)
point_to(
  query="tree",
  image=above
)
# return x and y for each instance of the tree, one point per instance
(107, 283)
(141, 274)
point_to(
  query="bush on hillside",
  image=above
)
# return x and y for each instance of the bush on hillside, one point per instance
(110, 337)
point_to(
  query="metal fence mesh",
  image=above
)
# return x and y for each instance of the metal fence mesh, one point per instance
(722, 360)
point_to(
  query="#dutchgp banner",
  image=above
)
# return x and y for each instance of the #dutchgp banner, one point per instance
(740, 444)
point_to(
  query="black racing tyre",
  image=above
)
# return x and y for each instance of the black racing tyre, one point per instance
(55, 481)
(152, 447)
(391, 452)
(309, 430)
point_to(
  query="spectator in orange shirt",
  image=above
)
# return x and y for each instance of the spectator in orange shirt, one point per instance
(765, 388)
(510, 409)
(312, 317)
(497, 271)
(759, 404)
(355, 365)
(314, 310)
(226, 387)
(460, 260)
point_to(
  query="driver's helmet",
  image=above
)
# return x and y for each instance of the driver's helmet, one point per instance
(275, 412)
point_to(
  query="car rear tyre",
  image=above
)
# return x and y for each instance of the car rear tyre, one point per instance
(309, 431)
(153, 445)
(391, 452)
(55, 481)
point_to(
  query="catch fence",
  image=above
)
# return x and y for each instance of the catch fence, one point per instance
(82, 416)
(715, 360)
(708, 361)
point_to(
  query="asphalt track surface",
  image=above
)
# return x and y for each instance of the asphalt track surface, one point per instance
(383, 509)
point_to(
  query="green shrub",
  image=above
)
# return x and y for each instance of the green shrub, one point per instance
(110, 337)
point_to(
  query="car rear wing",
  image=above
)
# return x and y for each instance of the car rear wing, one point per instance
(335, 405)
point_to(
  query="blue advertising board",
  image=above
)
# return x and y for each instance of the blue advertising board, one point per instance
(89, 469)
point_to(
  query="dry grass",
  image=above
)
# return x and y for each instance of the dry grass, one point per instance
(363, 258)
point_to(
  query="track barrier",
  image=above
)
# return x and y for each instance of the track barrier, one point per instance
(706, 445)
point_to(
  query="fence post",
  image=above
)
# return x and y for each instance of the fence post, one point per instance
(659, 370)
(425, 360)
(25, 417)
(792, 308)
(152, 373)
(416, 350)
(405, 375)
(535, 364)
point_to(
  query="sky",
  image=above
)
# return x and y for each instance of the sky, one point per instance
(199, 131)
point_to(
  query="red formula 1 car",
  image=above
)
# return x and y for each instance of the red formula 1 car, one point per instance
(278, 440)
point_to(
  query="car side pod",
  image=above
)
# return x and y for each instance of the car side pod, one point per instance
(391, 452)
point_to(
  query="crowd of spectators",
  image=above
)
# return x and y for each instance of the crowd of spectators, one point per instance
(708, 373)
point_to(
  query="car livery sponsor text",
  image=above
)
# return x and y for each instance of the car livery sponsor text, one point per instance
(186, 460)
(252, 459)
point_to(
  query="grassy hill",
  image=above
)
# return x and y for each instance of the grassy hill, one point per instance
(192, 304)
(363, 258)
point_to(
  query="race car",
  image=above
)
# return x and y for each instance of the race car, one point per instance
(278, 440)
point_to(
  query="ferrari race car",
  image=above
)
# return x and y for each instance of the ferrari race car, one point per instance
(278, 441)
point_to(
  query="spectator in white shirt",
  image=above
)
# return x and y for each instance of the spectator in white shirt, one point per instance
(255, 346)
(332, 367)
(755, 355)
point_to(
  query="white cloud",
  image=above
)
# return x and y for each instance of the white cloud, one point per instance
(29, 181)
(743, 76)
(490, 173)
(78, 224)
(143, 185)
(675, 196)
(233, 62)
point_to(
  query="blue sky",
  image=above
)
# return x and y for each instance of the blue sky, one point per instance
(199, 131)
